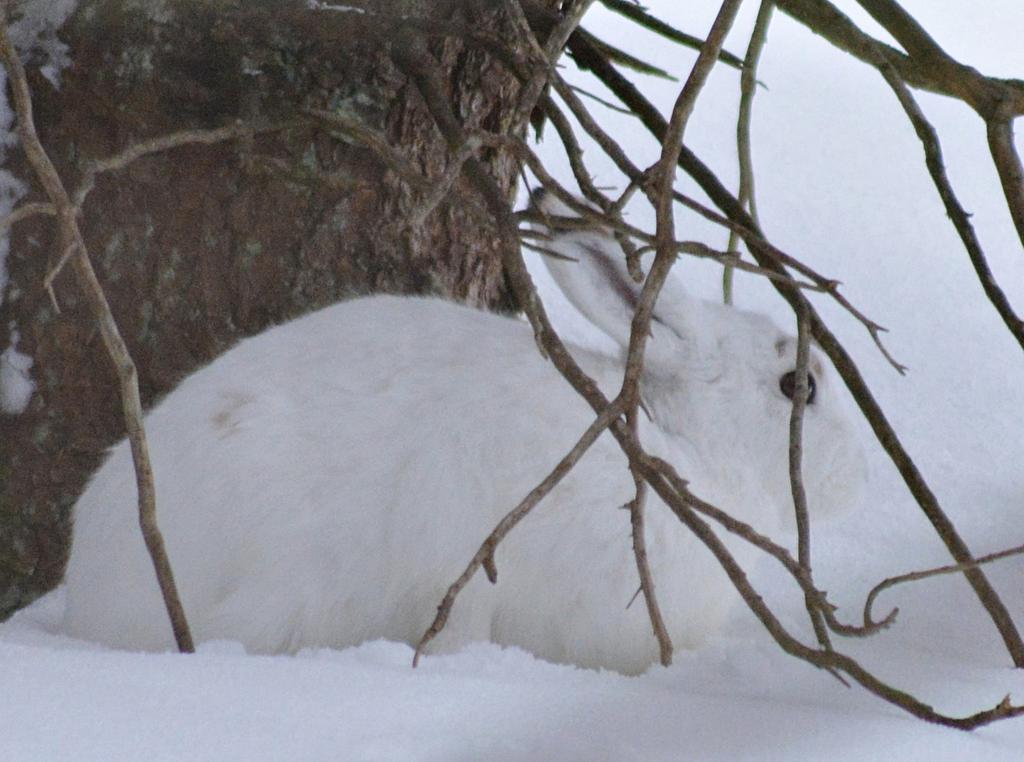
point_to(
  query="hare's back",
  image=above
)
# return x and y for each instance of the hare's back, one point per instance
(360, 449)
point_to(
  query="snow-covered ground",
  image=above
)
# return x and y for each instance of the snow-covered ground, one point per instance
(842, 185)
(737, 700)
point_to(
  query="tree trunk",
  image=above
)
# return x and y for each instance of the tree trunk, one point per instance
(203, 244)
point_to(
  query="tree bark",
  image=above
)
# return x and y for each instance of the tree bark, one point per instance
(203, 244)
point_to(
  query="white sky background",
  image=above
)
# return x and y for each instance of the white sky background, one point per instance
(842, 185)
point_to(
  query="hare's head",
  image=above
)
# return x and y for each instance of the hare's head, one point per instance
(719, 380)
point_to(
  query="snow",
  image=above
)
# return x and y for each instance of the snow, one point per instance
(738, 700)
(34, 29)
(11, 190)
(841, 184)
(16, 385)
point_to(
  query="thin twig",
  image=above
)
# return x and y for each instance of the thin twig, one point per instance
(547, 252)
(25, 211)
(660, 196)
(71, 238)
(440, 189)
(749, 534)
(954, 210)
(747, 228)
(604, 102)
(543, 56)
(840, 358)
(636, 521)
(831, 660)
(690, 248)
(377, 142)
(927, 573)
(755, 241)
(640, 16)
(424, 71)
(485, 554)
(134, 152)
(574, 152)
(69, 251)
(748, 87)
(588, 217)
(801, 394)
(659, 192)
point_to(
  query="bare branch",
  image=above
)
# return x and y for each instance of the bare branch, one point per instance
(825, 659)
(598, 99)
(748, 86)
(25, 211)
(485, 554)
(904, 28)
(433, 197)
(545, 55)
(659, 191)
(742, 224)
(801, 395)
(844, 364)
(424, 72)
(935, 71)
(574, 152)
(927, 573)
(954, 210)
(640, 15)
(395, 160)
(1009, 167)
(72, 241)
(750, 535)
(755, 241)
(636, 520)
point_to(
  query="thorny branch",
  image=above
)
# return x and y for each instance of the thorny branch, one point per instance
(826, 659)
(620, 415)
(744, 229)
(928, 573)
(750, 535)
(840, 358)
(630, 393)
(683, 503)
(422, 69)
(636, 508)
(659, 193)
(954, 210)
(485, 555)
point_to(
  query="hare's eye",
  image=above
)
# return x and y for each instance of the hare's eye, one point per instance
(788, 385)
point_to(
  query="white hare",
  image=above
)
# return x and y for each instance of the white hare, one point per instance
(323, 483)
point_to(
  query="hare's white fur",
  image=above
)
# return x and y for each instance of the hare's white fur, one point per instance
(323, 483)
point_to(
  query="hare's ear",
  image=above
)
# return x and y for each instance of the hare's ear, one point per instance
(594, 278)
